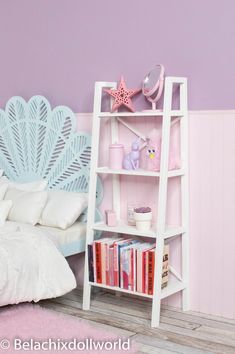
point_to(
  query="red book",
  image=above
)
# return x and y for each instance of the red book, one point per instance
(94, 261)
(143, 271)
(98, 262)
(151, 262)
(146, 272)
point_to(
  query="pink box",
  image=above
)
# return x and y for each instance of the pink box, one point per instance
(110, 218)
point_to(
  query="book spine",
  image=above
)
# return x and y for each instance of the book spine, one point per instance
(111, 268)
(120, 266)
(130, 274)
(116, 265)
(94, 261)
(125, 269)
(150, 272)
(90, 263)
(139, 271)
(143, 271)
(146, 271)
(103, 266)
(107, 264)
(98, 262)
(134, 269)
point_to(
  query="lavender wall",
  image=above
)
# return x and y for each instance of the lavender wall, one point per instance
(58, 48)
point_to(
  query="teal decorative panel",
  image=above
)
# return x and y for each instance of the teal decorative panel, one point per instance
(39, 142)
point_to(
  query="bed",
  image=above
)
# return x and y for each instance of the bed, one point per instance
(40, 143)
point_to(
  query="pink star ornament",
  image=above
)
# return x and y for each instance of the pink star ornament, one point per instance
(122, 96)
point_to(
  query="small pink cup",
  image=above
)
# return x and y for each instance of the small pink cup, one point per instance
(116, 154)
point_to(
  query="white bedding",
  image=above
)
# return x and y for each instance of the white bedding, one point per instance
(31, 267)
(76, 232)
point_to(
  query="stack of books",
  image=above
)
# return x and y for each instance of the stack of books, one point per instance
(125, 263)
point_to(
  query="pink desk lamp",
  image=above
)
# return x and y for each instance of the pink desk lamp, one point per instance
(153, 84)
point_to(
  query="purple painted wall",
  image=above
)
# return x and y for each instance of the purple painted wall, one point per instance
(58, 48)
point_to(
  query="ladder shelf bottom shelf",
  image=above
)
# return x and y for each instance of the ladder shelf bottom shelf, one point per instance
(124, 228)
(174, 285)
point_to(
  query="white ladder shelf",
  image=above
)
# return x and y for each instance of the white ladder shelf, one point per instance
(177, 282)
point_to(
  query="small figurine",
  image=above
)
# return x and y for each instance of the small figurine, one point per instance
(153, 150)
(153, 154)
(131, 160)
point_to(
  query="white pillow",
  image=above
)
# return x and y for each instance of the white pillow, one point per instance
(5, 206)
(27, 206)
(3, 189)
(63, 208)
(35, 186)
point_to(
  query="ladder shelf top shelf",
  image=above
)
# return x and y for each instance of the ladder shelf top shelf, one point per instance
(150, 113)
(138, 172)
(123, 228)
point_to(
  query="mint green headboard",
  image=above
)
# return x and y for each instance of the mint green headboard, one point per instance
(39, 142)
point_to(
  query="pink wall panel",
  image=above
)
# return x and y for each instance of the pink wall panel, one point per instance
(212, 221)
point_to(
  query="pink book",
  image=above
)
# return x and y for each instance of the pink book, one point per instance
(139, 267)
(116, 265)
(135, 269)
(107, 264)
(103, 263)
(111, 266)
(132, 280)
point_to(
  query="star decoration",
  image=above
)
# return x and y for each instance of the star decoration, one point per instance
(122, 96)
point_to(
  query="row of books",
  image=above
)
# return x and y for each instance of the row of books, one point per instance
(125, 263)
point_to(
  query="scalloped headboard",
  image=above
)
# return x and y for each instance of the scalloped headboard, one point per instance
(37, 142)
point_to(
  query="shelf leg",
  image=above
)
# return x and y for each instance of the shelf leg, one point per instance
(162, 201)
(86, 286)
(92, 191)
(156, 302)
(185, 292)
(185, 195)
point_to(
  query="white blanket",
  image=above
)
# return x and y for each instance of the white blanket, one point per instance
(31, 267)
